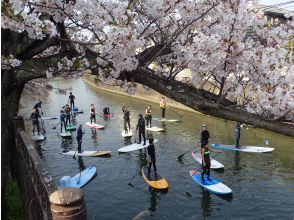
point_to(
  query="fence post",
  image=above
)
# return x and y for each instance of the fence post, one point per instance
(69, 204)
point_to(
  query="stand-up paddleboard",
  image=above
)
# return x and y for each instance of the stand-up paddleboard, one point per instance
(38, 137)
(212, 185)
(128, 134)
(213, 163)
(156, 129)
(167, 120)
(87, 153)
(78, 180)
(65, 134)
(94, 125)
(71, 127)
(249, 149)
(156, 182)
(134, 147)
(76, 112)
(45, 118)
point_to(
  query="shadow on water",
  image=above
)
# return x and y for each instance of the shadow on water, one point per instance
(237, 159)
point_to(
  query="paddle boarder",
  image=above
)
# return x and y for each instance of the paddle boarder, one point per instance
(62, 120)
(106, 111)
(71, 100)
(141, 128)
(93, 113)
(238, 134)
(205, 149)
(127, 120)
(38, 107)
(151, 157)
(35, 120)
(67, 111)
(80, 134)
(148, 116)
(163, 107)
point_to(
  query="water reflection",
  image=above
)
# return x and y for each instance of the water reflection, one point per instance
(81, 164)
(237, 159)
(205, 203)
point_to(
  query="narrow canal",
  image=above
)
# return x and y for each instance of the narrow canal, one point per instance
(262, 184)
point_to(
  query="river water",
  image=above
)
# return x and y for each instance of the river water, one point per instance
(262, 184)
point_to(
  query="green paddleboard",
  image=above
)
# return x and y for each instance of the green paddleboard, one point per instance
(71, 128)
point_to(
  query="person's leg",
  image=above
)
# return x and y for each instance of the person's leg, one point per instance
(34, 124)
(150, 121)
(149, 169)
(208, 169)
(140, 132)
(95, 119)
(61, 124)
(38, 127)
(129, 124)
(125, 125)
(144, 137)
(203, 172)
(91, 118)
(237, 140)
(80, 146)
(69, 118)
(154, 166)
(163, 113)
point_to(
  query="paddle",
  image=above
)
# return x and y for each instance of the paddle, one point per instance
(74, 156)
(42, 123)
(56, 125)
(179, 157)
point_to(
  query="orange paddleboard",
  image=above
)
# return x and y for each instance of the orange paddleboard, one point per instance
(156, 182)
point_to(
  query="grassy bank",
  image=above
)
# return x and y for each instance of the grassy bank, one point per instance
(12, 201)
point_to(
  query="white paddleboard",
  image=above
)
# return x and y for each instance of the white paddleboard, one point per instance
(134, 147)
(87, 153)
(156, 129)
(213, 163)
(93, 125)
(128, 134)
(65, 134)
(212, 185)
(38, 137)
(167, 120)
(249, 149)
(48, 118)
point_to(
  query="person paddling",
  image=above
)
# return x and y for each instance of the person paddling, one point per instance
(127, 120)
(148, 116)
(38, 107)
(238, 134)
(163, 107)
(106, 111)
(205, 149)
(93, 113)
(151, 158)
(35, 120)
(80, 134)
(62, 120)
(141, 127)
(67, 110)
(71, 100)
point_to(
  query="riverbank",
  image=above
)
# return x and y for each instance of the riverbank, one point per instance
(142, 93)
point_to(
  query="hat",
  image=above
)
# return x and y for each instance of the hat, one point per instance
(204, 125)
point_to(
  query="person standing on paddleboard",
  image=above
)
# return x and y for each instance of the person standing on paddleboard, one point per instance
(141, 127)
(71, 100)
(62, 121)
(93, 113)
(67, 110)
(80, 134)
(38, 107)
(238, 134)
(205, 149)
(127, 120)
(148, 116)
(35, 120)
(151, 157)
(163, 107)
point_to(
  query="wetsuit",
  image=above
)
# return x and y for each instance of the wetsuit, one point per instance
(238, 133)
(152, 159)
(71, 101)
(79, 139)
(37, 106)
(67, 115)
(35, 120)
(106, 111)
(62, 122)
(148, 117)
(163, 108)
(93, 114)
(127, 120)
(204, 138)
(206, 168)
(141, 127)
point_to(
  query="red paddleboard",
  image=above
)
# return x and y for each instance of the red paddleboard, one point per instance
(94, 125)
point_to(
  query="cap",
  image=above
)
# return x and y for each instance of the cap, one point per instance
(204, 125)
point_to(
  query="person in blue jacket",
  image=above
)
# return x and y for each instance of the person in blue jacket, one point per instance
(80, 134)
(38, 107)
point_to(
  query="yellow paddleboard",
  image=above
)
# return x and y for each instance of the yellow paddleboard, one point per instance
(157, 182)
(100, 153)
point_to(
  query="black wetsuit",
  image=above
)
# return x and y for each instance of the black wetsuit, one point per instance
(206, 168)
(79, 139)
(127, 120)
(141, 127)
(204, 138)
(238, 134)
(151, 153)
(62, 122)
(93, 115)
(148, 117)
(106, 111)
(35, 120)
(67, 115)
(72, 101)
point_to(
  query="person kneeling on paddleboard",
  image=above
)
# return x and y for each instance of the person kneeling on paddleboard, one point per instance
(93, 113)
(205, 149)
(141, 127)
(80, 134)
(127, 119)
(151, 157)
(62, 121)
(35, 120)
(106, 111)
(148, 116)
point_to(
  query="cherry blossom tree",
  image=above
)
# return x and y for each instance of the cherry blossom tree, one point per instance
(241, 67)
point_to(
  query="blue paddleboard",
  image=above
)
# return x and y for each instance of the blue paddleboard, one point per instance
(212, 185)
(78, 180)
